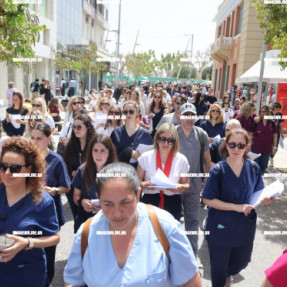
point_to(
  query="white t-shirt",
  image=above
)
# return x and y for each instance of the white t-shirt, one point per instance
(50, 121)
(100, 118)
(148, 162)
(68, 118)
(227, 115)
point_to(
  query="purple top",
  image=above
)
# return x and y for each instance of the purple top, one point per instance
(247, 124)
(263, 137)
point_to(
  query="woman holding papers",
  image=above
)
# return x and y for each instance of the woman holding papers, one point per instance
(264, 138)
(231, 220)
(214, 125)
(164, 156)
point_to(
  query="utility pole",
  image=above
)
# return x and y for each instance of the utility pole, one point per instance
(180, 63)
(136, 42)
(118, 46)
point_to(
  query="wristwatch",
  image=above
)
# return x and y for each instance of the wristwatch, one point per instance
(30, 244)
(56, 191)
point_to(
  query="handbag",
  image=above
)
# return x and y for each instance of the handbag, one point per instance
(125, 154)
(61, 144)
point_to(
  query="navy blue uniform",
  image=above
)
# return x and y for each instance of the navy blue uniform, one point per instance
(78, 182)
(27, 268)
(213, 131)
(231, 233)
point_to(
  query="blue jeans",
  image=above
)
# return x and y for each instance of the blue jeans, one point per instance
(263, 161)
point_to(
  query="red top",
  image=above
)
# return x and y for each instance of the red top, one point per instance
(54, 110)
(277, 274)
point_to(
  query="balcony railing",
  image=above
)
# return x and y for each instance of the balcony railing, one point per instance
(221, 49)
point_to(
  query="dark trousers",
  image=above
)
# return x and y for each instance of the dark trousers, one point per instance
(263, 161)
(73, 206)
(50, 256)
(227, 261)
(63, 92)
(172, 204)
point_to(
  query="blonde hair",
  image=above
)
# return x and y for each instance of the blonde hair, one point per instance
(69, 106)
(167, 127)
(43, 104)
(36, 113)
(220, 117)
(246, 109)
(99, 107)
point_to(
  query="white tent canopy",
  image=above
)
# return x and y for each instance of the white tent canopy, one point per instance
(272, 70)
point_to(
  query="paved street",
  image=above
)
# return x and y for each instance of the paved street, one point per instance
(266, 247)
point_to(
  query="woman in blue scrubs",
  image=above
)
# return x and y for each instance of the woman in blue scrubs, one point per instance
(214, 125)
(27, 212)
(124, 136)
(231, 220)
(57, 182)
(135, 257)
(101, 152)
(76, 150)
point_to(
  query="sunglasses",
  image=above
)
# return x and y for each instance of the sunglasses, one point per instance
(105, 104)
(202, 96)
(157, 97)
(131, 112)
(264, 112)
(76, 103)
(14, 168)
(216, 111)
(240, 145)
(78, 127)
(36, 106)
(178, 103)
(162, 140)
(115, 113)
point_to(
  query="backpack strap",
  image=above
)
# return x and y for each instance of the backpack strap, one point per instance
(158, 230)
(200, 133)
(85, 236)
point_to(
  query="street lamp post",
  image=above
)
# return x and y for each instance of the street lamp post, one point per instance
(118, 46)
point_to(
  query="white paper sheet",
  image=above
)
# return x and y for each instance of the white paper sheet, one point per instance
(142, 148)
(215, 139)
(253, 155)
(160, 179)
(274, 189)
(13, 119)
(281, 142)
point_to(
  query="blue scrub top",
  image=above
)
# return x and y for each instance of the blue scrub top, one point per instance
(27, 268)
(147, 263)
(231, 228)
(9, 128)
(213, 131)
(56, 176)
(79, 182)
(121, 139)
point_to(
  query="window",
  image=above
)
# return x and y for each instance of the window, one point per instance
(215, 80)
(219, 80)
(227, 78)
(240, 19)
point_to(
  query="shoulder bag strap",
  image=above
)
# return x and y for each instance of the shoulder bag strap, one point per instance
(158, 230)
(136, 137)
(85, 236)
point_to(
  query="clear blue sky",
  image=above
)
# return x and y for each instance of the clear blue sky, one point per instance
(162, 24)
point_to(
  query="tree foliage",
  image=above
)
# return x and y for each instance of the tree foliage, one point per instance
(169, 63)
(19, 31)
(82, 59)
(207, 73)
(185, 72)
(273, 20)
(140, 64)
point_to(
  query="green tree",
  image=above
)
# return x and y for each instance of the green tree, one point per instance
(273, 21)
(169, 63)
(185, 72)
(19, 30)
(140, 64)
(82, 59)
(207, 73)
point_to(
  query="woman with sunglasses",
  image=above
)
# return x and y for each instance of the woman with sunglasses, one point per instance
(228, 112)
(236, 105)
(200, 105)
(156, 111)
(40, 105)
(14, 124)
(214, 125)
(76, 149)
(34, 118)
(72, 109)
(127, 138)
(27, 212)
(231, 220)
(264, 140)
(57, 182)
(101, 115)
(164, 156)
(100, 153)
(114, 119)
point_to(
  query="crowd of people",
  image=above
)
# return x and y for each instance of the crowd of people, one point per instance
(110, 149)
